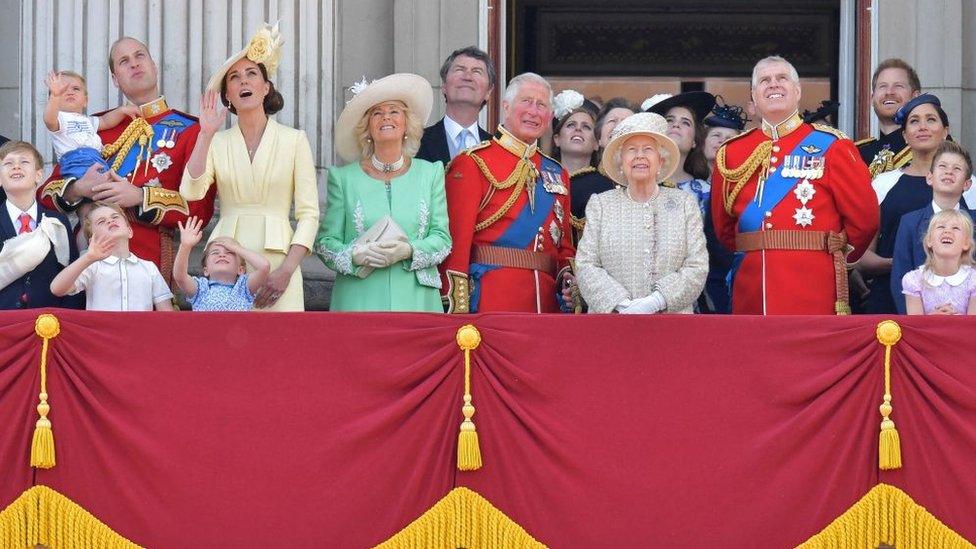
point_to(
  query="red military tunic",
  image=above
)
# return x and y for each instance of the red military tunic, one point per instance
(792, 281)
(162, 157)
(480, 182)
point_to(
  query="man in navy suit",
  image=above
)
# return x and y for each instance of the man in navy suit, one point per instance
(950, 176)
(467, 77)
(29, 264)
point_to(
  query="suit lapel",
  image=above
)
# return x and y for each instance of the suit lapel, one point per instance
(441, 142)
(7, 229)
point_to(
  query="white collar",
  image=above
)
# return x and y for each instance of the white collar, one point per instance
(112, 260)
(15, 212)
(953, 279)
(453, 128)
(937, 209)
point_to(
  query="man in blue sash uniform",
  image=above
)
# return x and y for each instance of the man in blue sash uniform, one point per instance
(792, 199)
(509, 215)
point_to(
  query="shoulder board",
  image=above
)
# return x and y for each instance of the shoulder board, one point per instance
(865, 141)
(740, 136)
(552, 160)
(483, 145)
(902, 157)
(832, 131)
(582, 171)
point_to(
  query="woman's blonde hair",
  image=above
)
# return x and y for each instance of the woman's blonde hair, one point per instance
(411, 141)
(943, 217)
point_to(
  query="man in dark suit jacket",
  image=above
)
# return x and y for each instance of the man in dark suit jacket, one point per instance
(467, 77)
(32, 290)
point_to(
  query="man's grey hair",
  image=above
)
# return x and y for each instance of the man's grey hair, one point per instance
(794, 76)
(515, 83)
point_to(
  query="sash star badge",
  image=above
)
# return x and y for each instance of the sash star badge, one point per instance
(803, 216)
(161, 161)
(804, 192)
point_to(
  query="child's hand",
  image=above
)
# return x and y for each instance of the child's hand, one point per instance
(227, 242)
(945, 309)
(99, 248)
(55, 84)
(191, 232)
(131, 111)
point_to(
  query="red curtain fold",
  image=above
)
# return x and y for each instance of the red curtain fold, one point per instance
(337, 430)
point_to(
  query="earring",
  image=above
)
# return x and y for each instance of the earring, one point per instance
(404, 138)
(369, 139)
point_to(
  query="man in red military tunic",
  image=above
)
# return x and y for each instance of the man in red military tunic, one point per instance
(509, 215)
(794, 201)
(147, 157)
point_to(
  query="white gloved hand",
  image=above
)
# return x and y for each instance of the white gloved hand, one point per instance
(368, 255)
(395, 251)
(651, 304)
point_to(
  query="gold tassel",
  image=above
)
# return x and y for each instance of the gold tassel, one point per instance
(469, 451)
(889, 443)
(42, 444)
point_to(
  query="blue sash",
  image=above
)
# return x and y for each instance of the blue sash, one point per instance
(521, 233)
(777, 187)
(162, 128)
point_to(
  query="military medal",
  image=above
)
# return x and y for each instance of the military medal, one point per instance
(558, 208)
(803, 216)
(172, 140)
(556, 233)
(161, 161)
(804, 192)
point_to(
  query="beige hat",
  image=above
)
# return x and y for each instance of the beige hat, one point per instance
(413, 90)
(264, 48)
(642, 123)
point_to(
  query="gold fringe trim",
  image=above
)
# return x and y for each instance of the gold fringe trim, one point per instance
(889, 443)
(886, 515)
(738, 177)
(469, 451)
(462, 518)
(43, 516)
(42, 443)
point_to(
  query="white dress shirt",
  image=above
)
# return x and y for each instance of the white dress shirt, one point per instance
(115, 284)
(14, 213)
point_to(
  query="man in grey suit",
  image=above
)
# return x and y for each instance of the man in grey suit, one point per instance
(467, 77)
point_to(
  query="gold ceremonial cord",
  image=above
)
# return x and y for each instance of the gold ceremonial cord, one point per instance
(523, 171)
(741, 175)
(137, 130)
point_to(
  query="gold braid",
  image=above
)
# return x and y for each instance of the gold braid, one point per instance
(741, 175)
(137, 130)
(523, 172)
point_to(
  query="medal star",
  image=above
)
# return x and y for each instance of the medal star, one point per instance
(161, 161)
(804, 192)
(803, 216)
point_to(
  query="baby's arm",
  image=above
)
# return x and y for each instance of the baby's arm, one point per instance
(190, 235)
(117, 115)
(56, 86)
(64, 282)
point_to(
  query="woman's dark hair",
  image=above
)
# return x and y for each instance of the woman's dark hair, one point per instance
(557, 153)
(615, 103)
(273, 102)
(695, 163)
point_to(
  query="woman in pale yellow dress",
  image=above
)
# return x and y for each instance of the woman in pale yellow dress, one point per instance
(261, 169)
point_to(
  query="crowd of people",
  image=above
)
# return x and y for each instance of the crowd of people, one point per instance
(666, 207)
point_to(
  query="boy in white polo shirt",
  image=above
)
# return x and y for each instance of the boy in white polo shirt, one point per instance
(113, 278)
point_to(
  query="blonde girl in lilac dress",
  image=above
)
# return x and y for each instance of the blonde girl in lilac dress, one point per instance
(946, 283)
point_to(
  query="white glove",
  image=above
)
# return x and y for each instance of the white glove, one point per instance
(395, 251)
(651, 304)
(368, 255)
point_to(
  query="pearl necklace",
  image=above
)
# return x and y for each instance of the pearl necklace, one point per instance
(386, 168)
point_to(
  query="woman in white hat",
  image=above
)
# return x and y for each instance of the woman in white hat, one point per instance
(643, 250)
(385, 229)
(261, 169)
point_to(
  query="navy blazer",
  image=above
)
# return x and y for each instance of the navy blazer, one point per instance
(909, 252)
(433, 145)
(33, 290)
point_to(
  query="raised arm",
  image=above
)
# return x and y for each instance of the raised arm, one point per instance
(56, 87)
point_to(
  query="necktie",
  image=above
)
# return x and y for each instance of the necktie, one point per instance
(462, 140)
(25, 220)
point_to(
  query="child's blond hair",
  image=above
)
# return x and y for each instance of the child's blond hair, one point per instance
(944, 216)
(22, 146)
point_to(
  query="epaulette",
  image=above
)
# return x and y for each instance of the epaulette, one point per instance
(831, 130)
(582, 171)
(544, 155)
(467, 152)
(740, 136)
(865, 141)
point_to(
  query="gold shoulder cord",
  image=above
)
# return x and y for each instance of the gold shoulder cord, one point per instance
(137, 130)
(523, 171)
(741, 175)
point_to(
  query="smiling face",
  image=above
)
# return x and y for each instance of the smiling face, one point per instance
(221, 263)
(75, 97)
(133, 69)
(245, 86)
(891, 90)
(387, 122)
(924, 130)
(948, 237)
(529, 112)
(681, 128)
(576, 136)
(109, 223)
(19, 173)
(714, 139)
(640, 160)
(775, 93)
(467, 82)
(949, 175)
(610, 122)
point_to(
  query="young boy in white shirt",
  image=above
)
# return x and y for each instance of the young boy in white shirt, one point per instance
(113, 278)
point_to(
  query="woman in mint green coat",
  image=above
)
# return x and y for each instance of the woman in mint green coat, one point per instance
(385, 228)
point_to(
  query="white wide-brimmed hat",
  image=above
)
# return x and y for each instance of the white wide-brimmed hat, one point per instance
(413, 90)
(264, 48)
(643, 123)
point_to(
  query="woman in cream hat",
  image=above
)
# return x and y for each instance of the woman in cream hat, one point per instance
(385, 229)
(261, 169)
(643, 250)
